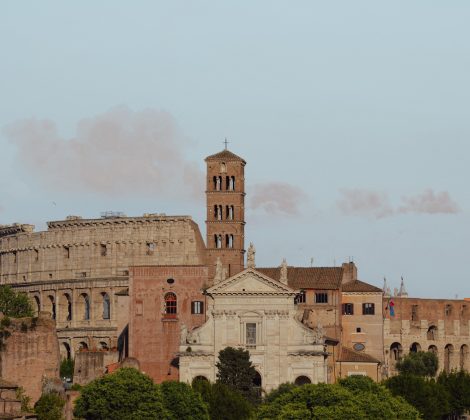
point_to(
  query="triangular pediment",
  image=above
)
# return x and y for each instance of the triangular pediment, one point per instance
(251, 281)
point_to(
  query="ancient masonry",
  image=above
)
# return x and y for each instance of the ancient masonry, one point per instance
(77, 268)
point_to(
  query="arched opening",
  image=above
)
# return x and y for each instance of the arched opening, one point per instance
(218, 241)
(65, 352)
(170, 305)
(65, 308)
(396, 351)
(229, 241)
(223, 167)
(217, 183)
(82, 346)
(104, 346)
(432, 333)
(229, 212)
(200, 378)
(106, 306)
(37, 303)
(415, 348)
(83, 307)
(257, 383)
(51, 306)
(433, 349)
(448, 357)
(302, 380)
(463, 363)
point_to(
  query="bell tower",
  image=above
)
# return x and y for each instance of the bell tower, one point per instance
(225, 222)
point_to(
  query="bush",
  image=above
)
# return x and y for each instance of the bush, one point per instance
(66, 368)
(50, 407)
(421, 363)
(123, 395)
(13, 304)
(183, 402)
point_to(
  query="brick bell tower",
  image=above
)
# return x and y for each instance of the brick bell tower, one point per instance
(225, 223)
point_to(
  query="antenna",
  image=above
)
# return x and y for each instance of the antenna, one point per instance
(311, 262)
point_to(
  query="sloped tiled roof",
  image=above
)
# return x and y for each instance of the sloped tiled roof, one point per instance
(360, 286)
(350, 355)
(308, 277)
(225, 155)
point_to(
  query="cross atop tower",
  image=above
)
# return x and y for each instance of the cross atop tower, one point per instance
(226, 143)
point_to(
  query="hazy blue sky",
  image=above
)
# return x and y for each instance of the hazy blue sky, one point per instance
(353, 117)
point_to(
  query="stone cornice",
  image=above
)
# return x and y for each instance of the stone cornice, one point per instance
(82, 282)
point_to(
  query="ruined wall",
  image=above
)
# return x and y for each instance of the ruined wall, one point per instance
(90, 365)
(438, 325)
(29, 353)
(77, 268)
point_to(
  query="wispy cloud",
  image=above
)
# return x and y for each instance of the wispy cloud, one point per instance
(377, 204)
(277, 198)
(429, 202)
(117, 152)
(365, 202)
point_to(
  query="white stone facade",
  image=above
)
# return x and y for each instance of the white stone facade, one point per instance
(257, 313)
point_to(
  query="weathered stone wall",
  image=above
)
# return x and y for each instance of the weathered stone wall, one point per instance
(90, 365)
(438, 325)
(29, 353)
(78, 267)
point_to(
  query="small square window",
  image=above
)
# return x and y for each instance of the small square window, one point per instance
(321, 297)
(197, 307)
(368, 309)
(358, 329)
(348, 309)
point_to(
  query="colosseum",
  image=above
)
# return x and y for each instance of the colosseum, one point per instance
(78, 269)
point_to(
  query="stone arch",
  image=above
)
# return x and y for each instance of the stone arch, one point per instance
(432, 333)
(106, 306)
(257, 380)
(464, 362)
(37, 304)
(448, 357)
(65, 350)
(65, 307)
(433, 349)
(200, 378)
(83, 307)
(104, 346)
(82, 346)
(415, 348)
(50, 306)
(302, 380)
(396, 351)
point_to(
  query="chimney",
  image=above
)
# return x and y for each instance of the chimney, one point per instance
(349, 272)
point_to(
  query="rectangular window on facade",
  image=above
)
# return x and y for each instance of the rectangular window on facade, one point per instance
(36, 255)
(251, 334)
(197, 307)
(66, 252)
(103, 250)
(414, 312)
(321, 297)
(301, 297)
(151, 247)
(348, 309)
(368, 309)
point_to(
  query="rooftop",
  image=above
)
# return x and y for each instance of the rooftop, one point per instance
(226, 155)
(350, 355)
(360, 286)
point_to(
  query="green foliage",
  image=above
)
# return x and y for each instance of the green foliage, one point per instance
(50, 407)
(457, 385)
(280, 390)
(126, 394)
(429, 397)
(224, 403)
(354, 399)
(76, 387)
(421, 363)
(66, 368)
(183, 402)
(15, 305)
(236, 371)
(25, 400)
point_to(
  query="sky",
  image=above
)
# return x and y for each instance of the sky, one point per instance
(353, 118)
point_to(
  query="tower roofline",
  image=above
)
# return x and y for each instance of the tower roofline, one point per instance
(225, 155)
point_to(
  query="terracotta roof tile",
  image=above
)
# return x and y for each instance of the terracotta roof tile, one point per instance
(350, 355)
(308, 277)
(225, 155)
(360, 286)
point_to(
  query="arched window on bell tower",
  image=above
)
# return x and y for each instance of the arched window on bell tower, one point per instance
(229, 212)
(217, 183)
(218, 241)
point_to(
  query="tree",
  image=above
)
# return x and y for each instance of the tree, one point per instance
(337, 402)
(236, 371)
(429, 397)
(66, 368)
(421, 363)
(13, 304)
(280, 390)
(224, 403)
(50, 407)
(183, 402)
(457, 385)
(123, 395)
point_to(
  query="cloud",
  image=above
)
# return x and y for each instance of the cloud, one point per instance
(277, 198)
(364, 202)
(114, 153)
(377, 204)
(429, 202)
